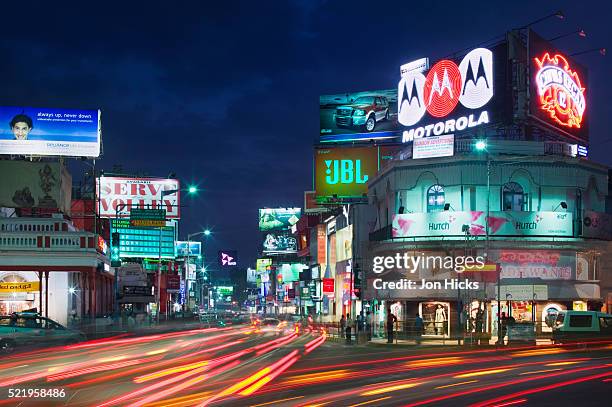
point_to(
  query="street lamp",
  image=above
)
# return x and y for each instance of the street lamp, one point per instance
(205, 232)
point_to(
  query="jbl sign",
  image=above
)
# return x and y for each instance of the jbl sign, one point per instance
(344, 172)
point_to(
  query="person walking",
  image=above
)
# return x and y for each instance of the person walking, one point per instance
(503, 328)
(391, 320)
(342, 326)
(349, 326)
(418, 328)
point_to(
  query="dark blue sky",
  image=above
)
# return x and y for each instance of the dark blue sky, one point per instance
(225, 94)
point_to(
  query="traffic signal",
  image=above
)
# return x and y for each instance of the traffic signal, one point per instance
(115, 250)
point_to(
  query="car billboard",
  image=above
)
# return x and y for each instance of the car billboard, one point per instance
(118, 195)
(49, 132)
(278, 218)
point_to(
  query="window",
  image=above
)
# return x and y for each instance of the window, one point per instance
(435, 198)
(580, 321)
(513, 197)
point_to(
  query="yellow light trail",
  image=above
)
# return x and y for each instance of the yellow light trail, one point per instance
(455, 384)
(166, 372)
(317, 377)
(389, 389)
(539, 371)
(156, 352)
(370, 401)
(564, 363)
(435, 362)
(481, 373)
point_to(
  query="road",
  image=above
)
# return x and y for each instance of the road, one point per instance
(241, 366)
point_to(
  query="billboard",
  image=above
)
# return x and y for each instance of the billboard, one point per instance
(558, 89)
(195, 248)
(343, 172)
(279, 243)
(358, 116)
(278, 218)
(543, 264)
(344, 243)
(35, 185)
(227, 258)
(263, 264)
(291, 272)
(143, 242)
(49, 132)
(508, 223)
(436, 146)
(118, 195)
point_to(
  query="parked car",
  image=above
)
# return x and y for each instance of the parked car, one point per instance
(580, 325)
(365, 111)
(29, 329)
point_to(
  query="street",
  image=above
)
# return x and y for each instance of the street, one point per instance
(240, 366)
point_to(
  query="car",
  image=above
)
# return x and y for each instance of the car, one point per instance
(570, 326)
(365, 111)
(21, 329)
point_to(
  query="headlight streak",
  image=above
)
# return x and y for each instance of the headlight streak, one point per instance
(481, 373)
(455, 384)
(388, 389)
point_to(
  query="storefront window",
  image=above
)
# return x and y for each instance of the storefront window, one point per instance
(513, 197)
(435, 198)
(435, 318)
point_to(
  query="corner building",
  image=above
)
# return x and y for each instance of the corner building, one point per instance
(547, 231)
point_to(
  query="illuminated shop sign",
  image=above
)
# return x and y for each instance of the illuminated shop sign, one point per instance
(436, 146)
(444, 87)
(507, 223)
(560, 90)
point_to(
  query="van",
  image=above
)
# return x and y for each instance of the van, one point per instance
(581, 325)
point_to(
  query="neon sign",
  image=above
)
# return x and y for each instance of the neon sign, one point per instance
(445, 86)
(560, 90)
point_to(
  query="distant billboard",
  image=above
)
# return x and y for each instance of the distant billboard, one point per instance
(195, 248)
(278, 218)
(228, 258)
(279, 243)
(343, 172)
(124, 193)
(143, 242)
(49, 132)
(263, 264)
(358, 116)
(35, 185)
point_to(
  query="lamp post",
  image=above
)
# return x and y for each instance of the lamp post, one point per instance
(189, 236)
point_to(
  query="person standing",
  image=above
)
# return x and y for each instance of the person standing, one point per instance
(369, 325)
(342, 326)
(503, 328)
(418, 328)
(349, 326)
(391, 320)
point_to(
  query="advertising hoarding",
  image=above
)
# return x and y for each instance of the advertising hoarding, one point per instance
(344, 243)
(508, 223)
(195, 248)
(291, 272)
(343, 172)
(145, 193)
(49, 132)
(435, 146)
(279, 243)
(310, 203)
(251, 275)
(558, 89)
(263, 264)
(542, 264)
(523, 292)
(278, 218)
(142, 242)
(358, 116)
(35, 185)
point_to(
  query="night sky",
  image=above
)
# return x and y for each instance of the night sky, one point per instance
(225, 94)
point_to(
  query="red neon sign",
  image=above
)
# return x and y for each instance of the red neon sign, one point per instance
(560, 90)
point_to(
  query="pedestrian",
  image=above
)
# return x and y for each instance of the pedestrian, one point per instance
(503, 328)
(349, 325)
(369, 325)
(391, 320)
(418, 328)
(342, 325)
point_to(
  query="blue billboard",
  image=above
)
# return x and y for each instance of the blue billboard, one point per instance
(49, 132)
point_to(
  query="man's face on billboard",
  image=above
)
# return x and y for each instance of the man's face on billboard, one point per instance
(21, 130)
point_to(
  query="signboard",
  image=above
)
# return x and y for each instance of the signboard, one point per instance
(543, 264)
(50, 132)
(225, 290)
(251, 275)
(344, 243)
(147, 214)
(328, 285)
(343, 172)
(148, 223)
(310, 203)
(597, 225)
(227, 258)
(419, 65)
(436, 146)
(136, 291)
(119, 195)
(558, 89)
(279, 243)
(195, 248)
(143, 242)
(508, 223)
(278, 218)
(22, 287)
(35, 185)
(525, 292)
(263, 264)
(173, 283)
(321, 244)
(291, 272)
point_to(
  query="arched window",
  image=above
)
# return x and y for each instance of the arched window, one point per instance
(435, 198)
(513, 197)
